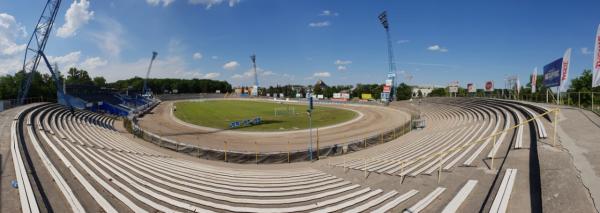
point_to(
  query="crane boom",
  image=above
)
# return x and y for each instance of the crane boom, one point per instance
(146, 90)
(36, 45)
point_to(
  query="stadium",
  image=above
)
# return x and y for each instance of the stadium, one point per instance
(73, 143)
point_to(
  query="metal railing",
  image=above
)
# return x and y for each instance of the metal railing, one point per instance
(283, 152)
(12, 103)
(583, 100)
(443, 153)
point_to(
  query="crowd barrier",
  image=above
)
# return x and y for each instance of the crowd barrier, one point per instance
(284, 155)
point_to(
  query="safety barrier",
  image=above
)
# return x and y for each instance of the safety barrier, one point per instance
(286, 155)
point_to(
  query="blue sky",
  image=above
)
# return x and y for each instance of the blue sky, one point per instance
(339, 41)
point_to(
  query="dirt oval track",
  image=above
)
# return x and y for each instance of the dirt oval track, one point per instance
(372, 120)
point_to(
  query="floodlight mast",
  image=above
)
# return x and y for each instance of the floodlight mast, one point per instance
(34, 52)
(255, 87)
(392, 64)
(146, 91)
(253, 58)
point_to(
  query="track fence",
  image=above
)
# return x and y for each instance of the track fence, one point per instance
(284, 153)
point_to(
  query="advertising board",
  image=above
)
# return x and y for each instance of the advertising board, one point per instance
(471, 87)
(489, 86)
(552, 73)
(366, 96)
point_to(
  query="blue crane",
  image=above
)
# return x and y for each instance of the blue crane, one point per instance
(35, 51)
(146, 91)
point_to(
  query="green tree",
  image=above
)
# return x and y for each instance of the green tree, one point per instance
(99, 81)
(79, 77)
(403, 92)
(438, 92)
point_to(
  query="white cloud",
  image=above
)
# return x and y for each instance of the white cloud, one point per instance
(165, 3)
(328, 13)
(342, 62)
(110, 40)
(319, 24)
(232, 65)
(93, 63)
(402, 41)
(210, 3)
(342, 68)
(249, 74)
(66, 61)
(166, 67)
(437, 48)
(10, 31)
(11, 64)
(212, 75)
(77, 15)
(214, 57)
(197, 56)
(322, 74)
(585, 51)
(237, 76)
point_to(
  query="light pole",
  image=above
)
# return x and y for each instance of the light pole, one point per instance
(309, 112)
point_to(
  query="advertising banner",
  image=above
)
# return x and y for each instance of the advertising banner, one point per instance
(337, 95)
(596, 65)
(489, 86)
(471, 88)
(565, 68)
(552, 73)
(453, 89)
(346, 95)
(387, 89)
(366, 96)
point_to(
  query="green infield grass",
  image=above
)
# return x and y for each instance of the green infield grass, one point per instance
(275, 116)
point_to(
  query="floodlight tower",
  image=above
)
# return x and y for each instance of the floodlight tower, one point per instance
(35, 51)
(255, 87)
(391, 76)
(146, 91)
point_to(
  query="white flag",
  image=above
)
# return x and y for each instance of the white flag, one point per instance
(565, 69)
(596, 66)
(534, 81)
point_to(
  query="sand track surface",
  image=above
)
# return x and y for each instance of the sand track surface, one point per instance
(371, 120)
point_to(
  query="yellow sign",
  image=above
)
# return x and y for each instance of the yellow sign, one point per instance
(366, 96)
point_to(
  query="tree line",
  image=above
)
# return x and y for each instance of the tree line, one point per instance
(43, 85)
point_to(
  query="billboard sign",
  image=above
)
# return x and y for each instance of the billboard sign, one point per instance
(366, 96)
(489, 86)
(471, 87)
(346, 95)
(453, 89)
(552, 73)
(387, 89)
(337, 95)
